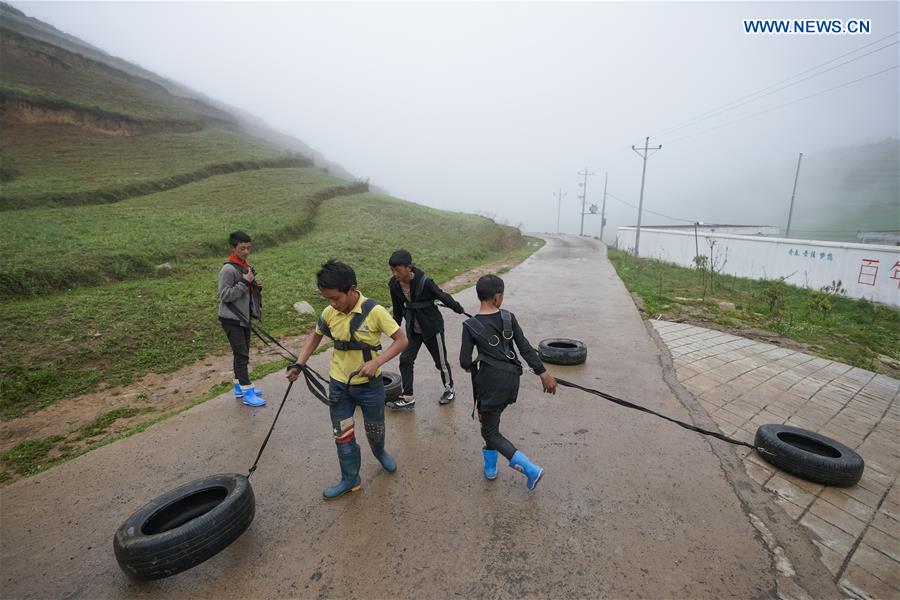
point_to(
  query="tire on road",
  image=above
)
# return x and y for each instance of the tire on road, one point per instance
(809, 455)
(562, 351)
(184, 527)
(393, 385)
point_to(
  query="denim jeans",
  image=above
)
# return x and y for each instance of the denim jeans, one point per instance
(370, 399)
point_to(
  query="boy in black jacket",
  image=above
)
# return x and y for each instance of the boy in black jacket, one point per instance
(412, 296)
(496, 371)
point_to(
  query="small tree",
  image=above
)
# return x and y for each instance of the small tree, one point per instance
(821, 300)
(774, 296)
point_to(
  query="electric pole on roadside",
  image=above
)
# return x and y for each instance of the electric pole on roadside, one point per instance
(559, 196)
(583, 196)
(647, 149)
(603, 210)
(793, 193)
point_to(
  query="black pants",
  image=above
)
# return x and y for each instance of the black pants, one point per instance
(490, 431)
(239, 338)
(496, 389)
(438, 350)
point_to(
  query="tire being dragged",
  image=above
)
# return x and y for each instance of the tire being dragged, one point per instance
(809, 455)
(184, 527)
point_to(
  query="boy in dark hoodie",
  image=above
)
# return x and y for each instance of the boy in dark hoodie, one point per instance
(412, 296)
(496, 372)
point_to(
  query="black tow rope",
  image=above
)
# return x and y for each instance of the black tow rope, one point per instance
(448, 308)
(268, 435)
(628, 404)
(688, 426)
(314, 379)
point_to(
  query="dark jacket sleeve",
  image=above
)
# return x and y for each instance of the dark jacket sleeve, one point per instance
(397, 301)
(444, 297)
(465, 349)
(528, 353)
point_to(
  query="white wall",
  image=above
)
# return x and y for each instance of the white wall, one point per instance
(865, 270)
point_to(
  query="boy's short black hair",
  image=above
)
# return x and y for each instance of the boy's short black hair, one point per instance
(400, 258)
(238, 237)
(488, 286)
(335, 275)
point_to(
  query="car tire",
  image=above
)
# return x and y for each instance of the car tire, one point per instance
(184, 527)
(393, 385)
(809, 455)
(562, 351)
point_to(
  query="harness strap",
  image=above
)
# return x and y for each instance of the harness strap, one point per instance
(507, 333)
(356, 322)
(417, 305)
(503, 365)
(354, 345)
(410, 306)
(496, 341)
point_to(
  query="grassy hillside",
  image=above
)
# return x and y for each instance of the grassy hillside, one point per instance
(68, 343)
(107, 170)
(36, 70)
(56, 248)
(87, 160)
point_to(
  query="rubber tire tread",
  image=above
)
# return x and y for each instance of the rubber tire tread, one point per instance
(393, 385)
(562, 356)
(146, 557)
(844, 471)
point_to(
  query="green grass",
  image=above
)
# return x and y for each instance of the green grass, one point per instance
(39, 454)
(39, 70)
(855, 332)
(30, 456)
(66, 344)
(101, 424)
(56, 248)
(82, 161)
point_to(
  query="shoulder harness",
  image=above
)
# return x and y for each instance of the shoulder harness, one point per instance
(500, 344)
(355, 322)
(418, 294)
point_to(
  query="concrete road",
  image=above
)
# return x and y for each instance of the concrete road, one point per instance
(630, 506)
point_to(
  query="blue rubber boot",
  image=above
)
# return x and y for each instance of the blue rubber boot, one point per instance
(348, 457)
(251, 396)
(490, 463)
(522, 464)
(238, 392)
(387, 461)
(375, 434)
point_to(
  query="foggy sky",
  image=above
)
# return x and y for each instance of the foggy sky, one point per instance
(494, 107)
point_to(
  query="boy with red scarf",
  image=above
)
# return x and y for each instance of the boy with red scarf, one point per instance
(240, 301)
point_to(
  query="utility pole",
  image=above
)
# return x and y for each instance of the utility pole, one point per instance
(646, 149)
(793, 193)
(583, 196)
(559, 196)
(603, 210)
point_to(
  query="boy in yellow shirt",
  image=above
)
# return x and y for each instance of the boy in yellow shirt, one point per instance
(355, 323)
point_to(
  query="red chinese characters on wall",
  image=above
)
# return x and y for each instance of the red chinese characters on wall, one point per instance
(895, 272)
(868, 270)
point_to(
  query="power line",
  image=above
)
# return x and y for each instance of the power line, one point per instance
(659, 214)
(670, 129)
(783, 105)
(759, 95)
(701, 116)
